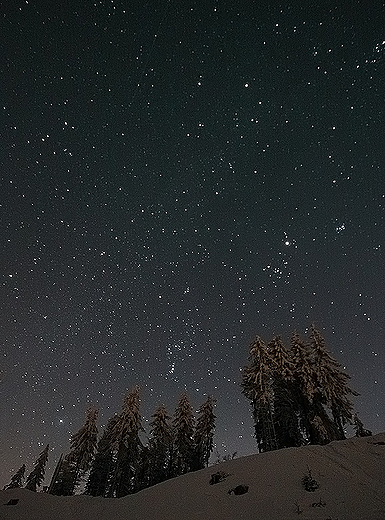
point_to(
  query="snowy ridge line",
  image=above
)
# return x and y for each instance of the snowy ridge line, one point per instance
(350, 474)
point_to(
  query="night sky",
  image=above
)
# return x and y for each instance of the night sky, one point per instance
(176, 178)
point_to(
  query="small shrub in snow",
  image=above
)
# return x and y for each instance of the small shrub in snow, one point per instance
(319, 504)
(12, 502)
(308, 482)
(239, 490)
(219, 476)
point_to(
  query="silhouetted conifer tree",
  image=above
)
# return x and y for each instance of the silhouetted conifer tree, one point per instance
(332, 387)
(36, 477)
(315, 422)
(103, 463)
(160, 446)
(84, 441)
(286, 414)
(317, 426)
(257, 378)
(302, 366)
(204, 434)
(183, 427)
(17, 479)
(304, 387)
(128, 445)
(73, 466)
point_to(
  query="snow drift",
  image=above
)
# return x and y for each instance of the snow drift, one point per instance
(350, 475)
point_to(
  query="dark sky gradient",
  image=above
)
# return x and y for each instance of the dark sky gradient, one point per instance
(177, 177)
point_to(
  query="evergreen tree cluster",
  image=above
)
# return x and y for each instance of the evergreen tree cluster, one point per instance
(298, 395)
(119, 463)
(35, 478)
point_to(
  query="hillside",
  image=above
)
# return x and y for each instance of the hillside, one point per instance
(351, 477)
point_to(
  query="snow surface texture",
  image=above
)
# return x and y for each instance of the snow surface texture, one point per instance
(350, 474)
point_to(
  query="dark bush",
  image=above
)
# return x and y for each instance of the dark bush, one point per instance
(309, 483)
(239, 490)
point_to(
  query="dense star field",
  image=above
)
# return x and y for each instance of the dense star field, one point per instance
(177, 177)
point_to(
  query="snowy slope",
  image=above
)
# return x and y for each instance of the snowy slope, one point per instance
(351, 477)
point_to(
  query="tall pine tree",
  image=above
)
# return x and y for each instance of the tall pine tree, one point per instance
(304, 388)
(128, 446)
(73, 466)
(183, 427)
(102, 465)
(316, 424)
(160, 446)
(332, 385)
(36, 477)
(257, 378)
(286, 414)
(84, 441)
(204, 434)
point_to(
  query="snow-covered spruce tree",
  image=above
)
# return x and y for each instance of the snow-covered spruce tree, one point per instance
(304, 386)
(256, 384)
(331, 384)
(160, 446)
(102, 465)
(84, 441)
(285, 405)
(183, 428)
(73, 466)
(128, 446)
(83, 444)
(17, 479)
(36, 477)
(316, 426)
(204, 434)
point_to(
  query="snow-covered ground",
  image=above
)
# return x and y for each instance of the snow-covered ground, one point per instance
(350, 474)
